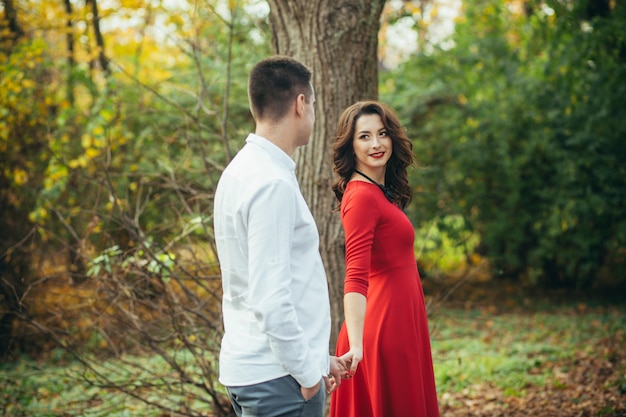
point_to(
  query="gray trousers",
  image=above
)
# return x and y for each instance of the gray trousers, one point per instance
(279, 397)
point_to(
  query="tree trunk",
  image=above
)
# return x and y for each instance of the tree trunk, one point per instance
(10, 14)
(338, 40)
(102, 58)
(69, 37)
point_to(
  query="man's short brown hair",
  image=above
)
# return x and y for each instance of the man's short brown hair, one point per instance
(274, 84)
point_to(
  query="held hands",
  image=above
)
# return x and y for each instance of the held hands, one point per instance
(337, 369)
(332, 381)
(342, 367)
(351, 360)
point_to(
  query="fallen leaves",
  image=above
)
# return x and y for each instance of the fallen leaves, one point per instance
(592, 383)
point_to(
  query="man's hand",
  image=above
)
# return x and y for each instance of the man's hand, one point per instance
(337, 369)
(308, 393)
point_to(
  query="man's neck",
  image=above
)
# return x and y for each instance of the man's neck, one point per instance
(278, 134)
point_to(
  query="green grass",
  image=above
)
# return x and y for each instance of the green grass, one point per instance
(36, 389)
(516, 350)
(511, 352)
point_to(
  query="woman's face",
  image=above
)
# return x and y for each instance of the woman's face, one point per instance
(372, 145)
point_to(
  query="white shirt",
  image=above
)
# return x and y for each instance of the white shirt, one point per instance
(275, 297)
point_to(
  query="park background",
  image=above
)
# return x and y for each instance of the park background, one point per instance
(118, 116)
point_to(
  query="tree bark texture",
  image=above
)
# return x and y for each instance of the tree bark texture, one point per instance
(338, 40)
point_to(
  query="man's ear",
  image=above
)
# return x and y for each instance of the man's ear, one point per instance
(300, 105)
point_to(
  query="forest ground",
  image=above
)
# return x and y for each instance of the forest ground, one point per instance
(500, 349)
(567, 348)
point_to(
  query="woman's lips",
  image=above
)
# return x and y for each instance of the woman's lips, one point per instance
(377, 155)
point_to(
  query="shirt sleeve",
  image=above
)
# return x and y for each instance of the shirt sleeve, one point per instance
(359, 216)
(271, 219)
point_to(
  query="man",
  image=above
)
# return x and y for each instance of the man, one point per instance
(274, 354)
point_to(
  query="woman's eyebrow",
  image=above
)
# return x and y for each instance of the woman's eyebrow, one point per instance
(367, 131)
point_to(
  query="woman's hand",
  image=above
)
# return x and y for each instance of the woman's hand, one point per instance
(355, 305)
(352, 358)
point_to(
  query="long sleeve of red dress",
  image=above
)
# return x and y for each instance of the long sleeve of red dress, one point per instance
(395, 378)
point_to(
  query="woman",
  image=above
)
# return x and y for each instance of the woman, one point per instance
(384, 339)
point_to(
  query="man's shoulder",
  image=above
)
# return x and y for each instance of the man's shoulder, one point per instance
(256, 165)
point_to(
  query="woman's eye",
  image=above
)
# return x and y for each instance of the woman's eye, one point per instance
(383, 133)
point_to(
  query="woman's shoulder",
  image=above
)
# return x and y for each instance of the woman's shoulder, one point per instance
(358, 187)
(361, 193)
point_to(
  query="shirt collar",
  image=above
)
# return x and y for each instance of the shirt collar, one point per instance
(274, 151)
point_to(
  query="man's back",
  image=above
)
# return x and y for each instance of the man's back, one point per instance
(275, 302)
(274, 357)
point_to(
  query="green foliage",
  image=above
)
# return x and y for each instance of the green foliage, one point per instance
(519, 128)
(448, 232)
(160, 264)
(123, 167)
(136, 154)
(25, 106)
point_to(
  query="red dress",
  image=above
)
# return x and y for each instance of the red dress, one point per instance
(395, 377)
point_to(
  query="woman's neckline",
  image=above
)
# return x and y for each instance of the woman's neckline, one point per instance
(362, 181)
(386, 191)
(368, 178)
